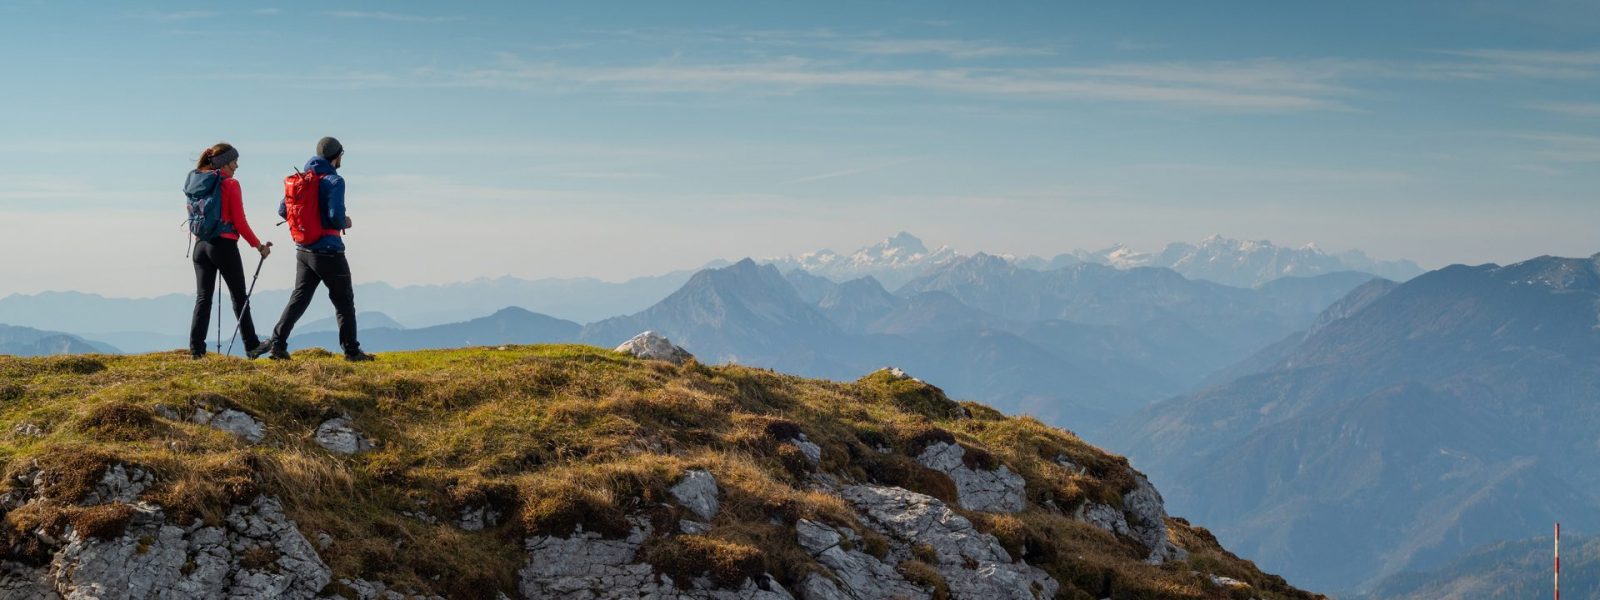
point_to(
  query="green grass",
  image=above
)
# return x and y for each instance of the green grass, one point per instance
(552, 437)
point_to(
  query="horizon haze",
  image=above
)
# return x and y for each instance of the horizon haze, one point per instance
(503, 139)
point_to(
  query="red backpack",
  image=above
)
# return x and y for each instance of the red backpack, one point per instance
(303, 208)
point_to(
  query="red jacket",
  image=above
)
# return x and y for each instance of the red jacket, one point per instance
(233, 212)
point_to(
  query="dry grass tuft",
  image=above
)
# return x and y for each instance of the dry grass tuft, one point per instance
(118, 420)
(922, 574)
(686, 557)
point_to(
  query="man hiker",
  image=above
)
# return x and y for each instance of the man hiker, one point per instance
(313, 206)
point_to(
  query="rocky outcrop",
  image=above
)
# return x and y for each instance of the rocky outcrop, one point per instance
(653, 346)
(996, 490)
(808, 449)
(856, 574)
(231, 420)
(698, 493)
(256, 553)
(584, 566)
(340, 436)
(1143, 517)
(972, 563)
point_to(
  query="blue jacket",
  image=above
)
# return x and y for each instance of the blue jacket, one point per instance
(331, 194)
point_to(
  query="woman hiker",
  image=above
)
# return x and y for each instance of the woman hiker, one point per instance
(217, 221)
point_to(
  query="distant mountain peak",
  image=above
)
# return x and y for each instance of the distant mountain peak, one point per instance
(892, 261)
(904, 242)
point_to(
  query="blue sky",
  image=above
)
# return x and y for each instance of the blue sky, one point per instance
(621, 139)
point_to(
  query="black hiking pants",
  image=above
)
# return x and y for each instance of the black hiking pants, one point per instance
(210, 258)
(332, 270)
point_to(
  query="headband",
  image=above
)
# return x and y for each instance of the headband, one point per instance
(222, 160)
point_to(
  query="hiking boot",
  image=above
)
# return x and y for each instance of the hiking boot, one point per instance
(273, 351)
(197, 355)
(359, 356)
(255, 352)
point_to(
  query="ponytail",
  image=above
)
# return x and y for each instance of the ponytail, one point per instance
(207, 158)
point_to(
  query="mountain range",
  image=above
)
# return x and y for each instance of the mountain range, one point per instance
(1242, 263)
(157, 323)
(1510, 570)
(26, 341)
(1413, 423)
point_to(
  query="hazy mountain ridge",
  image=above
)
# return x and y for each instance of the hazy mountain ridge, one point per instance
(892, 261)
(1510, 570)
(1241, 263)
(1430, 405)
(27, 341)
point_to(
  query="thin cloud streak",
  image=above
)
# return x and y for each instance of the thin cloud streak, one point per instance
(846, 172)
(391, 17)
(1587, 110)
(1260, 86)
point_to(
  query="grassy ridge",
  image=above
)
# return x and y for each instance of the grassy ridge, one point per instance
(551, 438)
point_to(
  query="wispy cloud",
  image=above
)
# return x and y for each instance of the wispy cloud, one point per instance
(846, 172)
(1499, 63)
(183, 15)
(953, 48)
(392, 17)
(1590, 110)
(1243, 86)
(1565, 147)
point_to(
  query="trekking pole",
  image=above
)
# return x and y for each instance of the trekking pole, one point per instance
(216, 285)
(246, 310)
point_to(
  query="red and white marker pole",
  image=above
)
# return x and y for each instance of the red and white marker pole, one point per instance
(1558, 560)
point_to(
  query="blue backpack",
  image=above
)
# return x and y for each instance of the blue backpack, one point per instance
(204, 192)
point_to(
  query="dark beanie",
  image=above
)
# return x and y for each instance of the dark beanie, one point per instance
(329, 148)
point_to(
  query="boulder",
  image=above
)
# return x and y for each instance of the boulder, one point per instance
(339, 436)
(1147, 521)
(155, 558)
(859, 575)
(585, 566)
(999, 490)
(1143, 517)
(653, 346)
(698, 493)
(972, 563)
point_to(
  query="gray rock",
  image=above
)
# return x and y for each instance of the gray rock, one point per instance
(698, 493)
(898, 373)
(860, 576)
(1227, 582)
(236, 422)
(338, 435)
(1143, 518)
(156, 559)
(587, 567)
(1147, 522)
(817, 587)
(692, 527)
(476, 518)
(1000, 490)
(376, 590)
(121, 483)
(972, 563)
(21, 582)
(653, 346)
(27, 430)
(219, 415)
(1103, 516)
(811, 450)
(1069, 465)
